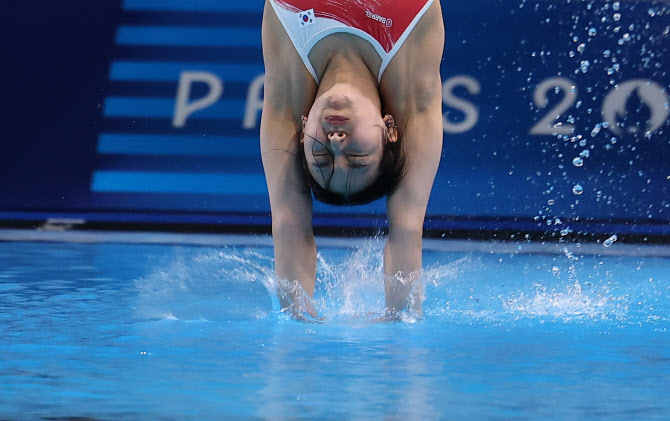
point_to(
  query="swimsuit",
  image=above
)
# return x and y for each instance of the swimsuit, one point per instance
(385, 24)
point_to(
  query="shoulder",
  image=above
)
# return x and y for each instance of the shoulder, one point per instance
(289, 88)
(426, 41)
(408, 84)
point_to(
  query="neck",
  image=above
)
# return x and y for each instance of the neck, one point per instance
(350, 70)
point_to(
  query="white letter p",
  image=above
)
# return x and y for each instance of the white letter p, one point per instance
(182, 108)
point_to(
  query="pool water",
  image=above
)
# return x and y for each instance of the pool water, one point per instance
(164, 332)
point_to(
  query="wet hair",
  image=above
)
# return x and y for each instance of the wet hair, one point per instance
(391, 172)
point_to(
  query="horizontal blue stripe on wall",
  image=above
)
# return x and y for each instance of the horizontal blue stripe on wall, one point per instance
(195, 5)
(170, 71)
(164, 108)
(160, 182)
(189, 36)
(136, 144)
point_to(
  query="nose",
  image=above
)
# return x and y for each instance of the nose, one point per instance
(337, 136)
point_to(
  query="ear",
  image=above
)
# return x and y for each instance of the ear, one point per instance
(302, 133)
(391, 128)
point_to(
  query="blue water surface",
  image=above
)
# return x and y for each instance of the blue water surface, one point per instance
(127, 332)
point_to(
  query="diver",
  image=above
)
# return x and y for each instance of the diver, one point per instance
(352, 113)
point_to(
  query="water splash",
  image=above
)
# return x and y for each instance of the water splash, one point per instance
(567, 303)
(206, 285)
(352, 287)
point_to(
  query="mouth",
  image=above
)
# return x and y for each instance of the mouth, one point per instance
(336, 120)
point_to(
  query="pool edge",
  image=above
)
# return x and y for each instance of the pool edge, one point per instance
(435, 245)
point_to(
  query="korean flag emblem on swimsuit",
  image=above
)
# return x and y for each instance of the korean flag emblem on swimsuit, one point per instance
(306, 18)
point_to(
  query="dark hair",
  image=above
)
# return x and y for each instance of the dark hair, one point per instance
(391, 173)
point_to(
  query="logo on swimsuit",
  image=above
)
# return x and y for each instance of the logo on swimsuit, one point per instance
(306, 18)
(385, 21)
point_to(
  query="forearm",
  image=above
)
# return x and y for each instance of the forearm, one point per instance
(295, 253)
(402, 269)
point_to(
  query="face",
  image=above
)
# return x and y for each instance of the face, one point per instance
(344, 137)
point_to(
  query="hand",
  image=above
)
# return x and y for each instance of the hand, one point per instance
(296, 302)
(404, 292)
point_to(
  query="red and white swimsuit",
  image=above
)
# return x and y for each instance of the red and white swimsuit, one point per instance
(385, 24)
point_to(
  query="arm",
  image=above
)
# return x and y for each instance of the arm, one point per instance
(288, 88)
(406, 207)
(292, 235)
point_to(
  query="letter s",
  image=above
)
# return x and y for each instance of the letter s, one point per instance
(469, 109)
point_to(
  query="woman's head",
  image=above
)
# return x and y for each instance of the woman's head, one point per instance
(350, 153)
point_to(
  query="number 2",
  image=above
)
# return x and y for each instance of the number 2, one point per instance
(547, 124)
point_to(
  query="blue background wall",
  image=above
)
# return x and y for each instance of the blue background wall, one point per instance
(92, 126)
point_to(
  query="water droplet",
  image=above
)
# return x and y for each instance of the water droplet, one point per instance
(555, 270)
(550, 202)
(592, 32)
(585, 153)
(578, 162)
(610, 241)
(582, 142)
(615, 6)
(626, 37)
(584, 66)
(581, 47)
(596, 130)
(578, 189)
(651, 12)
(607, 53)
(617, 17)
